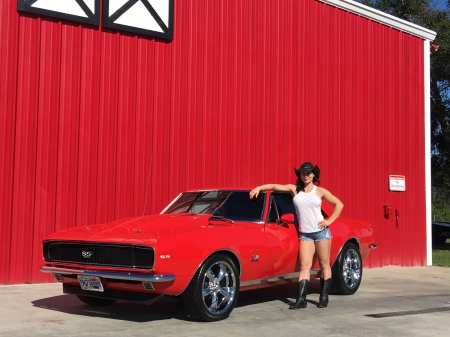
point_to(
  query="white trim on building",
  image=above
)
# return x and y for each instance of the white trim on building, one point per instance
(427, 154)
(381, 17)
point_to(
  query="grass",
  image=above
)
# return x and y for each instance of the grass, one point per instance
(441, 255)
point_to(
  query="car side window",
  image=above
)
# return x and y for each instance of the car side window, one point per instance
(284, 204)
(238, 206)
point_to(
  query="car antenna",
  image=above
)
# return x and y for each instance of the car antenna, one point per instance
(148, 181)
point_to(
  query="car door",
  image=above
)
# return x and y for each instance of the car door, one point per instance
(247, 234)
(281, 239)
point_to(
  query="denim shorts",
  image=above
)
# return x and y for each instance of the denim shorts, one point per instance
(324, 234)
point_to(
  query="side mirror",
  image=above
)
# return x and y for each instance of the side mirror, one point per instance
(287, 218)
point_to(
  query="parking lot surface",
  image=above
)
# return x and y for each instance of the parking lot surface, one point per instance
(392, 301)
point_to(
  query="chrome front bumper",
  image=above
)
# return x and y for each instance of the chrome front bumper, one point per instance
(110, 275)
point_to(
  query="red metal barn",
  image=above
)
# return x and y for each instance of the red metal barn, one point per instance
(103, 116)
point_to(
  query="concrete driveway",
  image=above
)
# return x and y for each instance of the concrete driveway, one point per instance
(392, 301)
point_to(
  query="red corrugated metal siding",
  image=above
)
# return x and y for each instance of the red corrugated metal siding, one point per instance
(8, 37)
(103, 125)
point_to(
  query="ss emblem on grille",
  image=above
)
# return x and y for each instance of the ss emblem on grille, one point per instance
(86, 254)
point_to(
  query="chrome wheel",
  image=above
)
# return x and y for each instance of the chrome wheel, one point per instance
(219, 287)
(347, 271)
(213, 291)
(351, 270)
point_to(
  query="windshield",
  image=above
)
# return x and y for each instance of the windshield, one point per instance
(233, 205)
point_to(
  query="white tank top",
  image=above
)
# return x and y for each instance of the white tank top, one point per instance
(308, 208)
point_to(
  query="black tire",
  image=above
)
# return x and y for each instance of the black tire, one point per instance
(96, 301)
(214, 289)
(347, 271)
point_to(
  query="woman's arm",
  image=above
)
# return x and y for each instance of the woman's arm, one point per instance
(273, 187)
(338, 206)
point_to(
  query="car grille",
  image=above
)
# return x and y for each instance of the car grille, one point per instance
(130, 256)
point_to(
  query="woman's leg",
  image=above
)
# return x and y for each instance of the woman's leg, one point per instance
(323, 255)
(306, 254)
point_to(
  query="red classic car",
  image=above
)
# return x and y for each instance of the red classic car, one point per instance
(205, 247)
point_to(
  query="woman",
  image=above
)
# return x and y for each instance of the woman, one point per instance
(314, 234)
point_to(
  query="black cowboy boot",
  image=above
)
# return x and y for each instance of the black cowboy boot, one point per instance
(301, 299)
(324, 290)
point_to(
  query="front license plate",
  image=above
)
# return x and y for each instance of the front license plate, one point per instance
(91, 283)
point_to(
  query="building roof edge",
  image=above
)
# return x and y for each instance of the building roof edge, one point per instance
(381, 17)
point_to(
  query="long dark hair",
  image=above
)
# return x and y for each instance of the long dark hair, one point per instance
(300, 186)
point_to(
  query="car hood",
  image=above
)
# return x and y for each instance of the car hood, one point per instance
(137, 230)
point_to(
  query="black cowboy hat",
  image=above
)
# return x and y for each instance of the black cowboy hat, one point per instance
(307, 166)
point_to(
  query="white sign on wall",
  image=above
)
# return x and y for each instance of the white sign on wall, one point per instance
(397, 183)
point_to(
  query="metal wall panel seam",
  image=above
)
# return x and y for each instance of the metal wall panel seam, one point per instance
(107, 147)
(97, 211)
(7, 161)
(143, 116)
(126, 128)
(24, 174)
(88, 129)
(68, 130)
(47, 139)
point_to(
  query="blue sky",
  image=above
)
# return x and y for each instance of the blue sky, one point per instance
(440, 4)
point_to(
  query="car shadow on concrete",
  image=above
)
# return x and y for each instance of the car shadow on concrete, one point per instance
(166, 308)
(285, 293)
(127, 311)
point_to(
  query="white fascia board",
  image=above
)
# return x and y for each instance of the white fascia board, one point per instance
(381, 17)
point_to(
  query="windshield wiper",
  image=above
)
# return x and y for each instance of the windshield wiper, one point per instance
(221, 218)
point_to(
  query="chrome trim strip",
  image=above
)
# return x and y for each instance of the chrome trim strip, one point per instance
(373, 245)
(277, 278)
(171, 203)
(111, 275)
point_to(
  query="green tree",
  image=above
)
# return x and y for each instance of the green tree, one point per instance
(425, 14)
